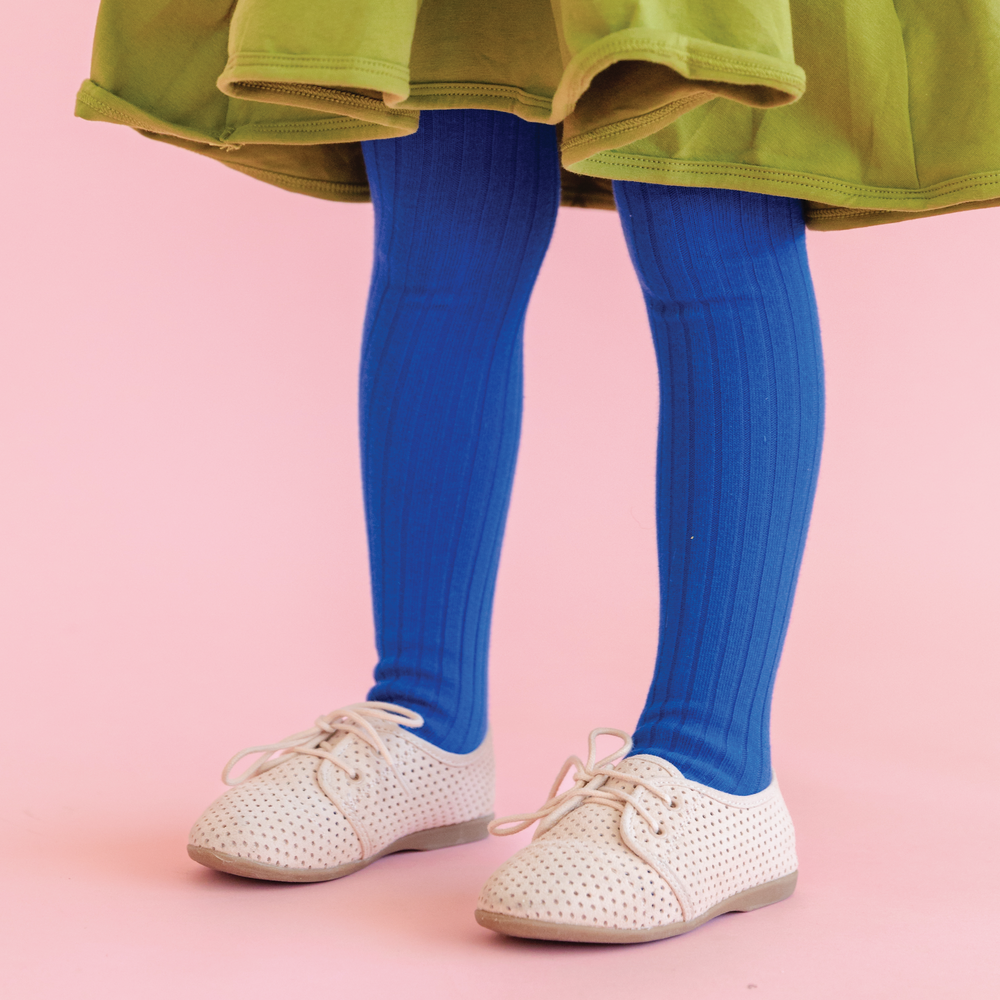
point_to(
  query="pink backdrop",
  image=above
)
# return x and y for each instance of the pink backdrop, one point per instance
(184, 574)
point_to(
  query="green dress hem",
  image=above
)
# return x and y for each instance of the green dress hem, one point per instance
(869, 111)
(830, 204)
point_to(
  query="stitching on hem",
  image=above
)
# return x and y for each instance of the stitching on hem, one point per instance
(805, 180)
(106, 109)
(447, 90)
(845, 213)
(335, 125)
(223, 144)
(320, 92)
(254, 59)
(499, 90)
(263, 58)
(631, 124)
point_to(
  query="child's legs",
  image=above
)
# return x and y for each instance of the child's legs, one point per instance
(734, 322)
(464, 212)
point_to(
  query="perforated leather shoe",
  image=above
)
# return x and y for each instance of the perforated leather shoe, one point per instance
(339, 796)
(635, 852)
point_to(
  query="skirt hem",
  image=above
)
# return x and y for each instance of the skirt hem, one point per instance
(831, 204)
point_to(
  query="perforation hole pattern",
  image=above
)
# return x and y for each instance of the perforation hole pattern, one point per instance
(283, 817)
(582, 872)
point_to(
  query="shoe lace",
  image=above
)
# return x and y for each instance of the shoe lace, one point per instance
(317, 742)
(589, 785)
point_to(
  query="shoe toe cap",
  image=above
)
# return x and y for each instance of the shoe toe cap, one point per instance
(569, 881)
(280, 819)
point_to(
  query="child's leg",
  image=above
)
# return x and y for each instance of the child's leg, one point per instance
(464, 212)
(731, 306)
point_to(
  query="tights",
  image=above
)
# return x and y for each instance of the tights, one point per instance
(464, 213)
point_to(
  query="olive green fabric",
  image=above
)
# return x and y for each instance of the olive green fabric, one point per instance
(869, 110)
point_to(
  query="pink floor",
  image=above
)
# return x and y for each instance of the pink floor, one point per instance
(184, 574)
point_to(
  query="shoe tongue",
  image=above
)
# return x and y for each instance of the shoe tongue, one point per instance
(647, 766)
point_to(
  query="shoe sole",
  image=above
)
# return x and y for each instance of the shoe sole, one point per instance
(542, 930)
(425, 840)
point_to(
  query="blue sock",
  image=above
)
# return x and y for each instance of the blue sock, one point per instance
(464, 211)
(734, 322)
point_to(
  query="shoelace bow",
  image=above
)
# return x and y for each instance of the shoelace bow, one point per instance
(589, 786)
(315, 742)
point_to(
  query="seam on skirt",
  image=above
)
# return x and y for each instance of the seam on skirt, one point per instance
(805, 180)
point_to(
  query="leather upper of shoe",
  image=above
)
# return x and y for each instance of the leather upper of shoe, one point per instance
(636, 846)
(344, 790)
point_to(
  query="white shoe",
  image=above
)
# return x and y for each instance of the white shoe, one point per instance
(356, 787)
(635, 852)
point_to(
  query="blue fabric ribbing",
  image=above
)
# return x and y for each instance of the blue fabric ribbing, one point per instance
(464, 211)
(731, 305)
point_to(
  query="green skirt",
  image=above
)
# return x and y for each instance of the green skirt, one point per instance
(868, 110)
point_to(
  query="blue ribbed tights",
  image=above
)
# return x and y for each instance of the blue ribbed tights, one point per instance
(464, 211)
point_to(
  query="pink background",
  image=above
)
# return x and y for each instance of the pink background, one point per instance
(184, 573)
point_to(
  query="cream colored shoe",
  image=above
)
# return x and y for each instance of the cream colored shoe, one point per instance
(635, 852)
(339, 796)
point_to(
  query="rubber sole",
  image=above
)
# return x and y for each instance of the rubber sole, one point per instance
(542, 930)
(425, 840)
